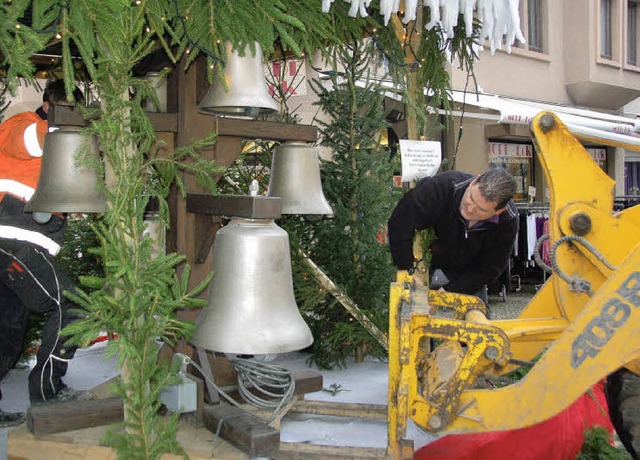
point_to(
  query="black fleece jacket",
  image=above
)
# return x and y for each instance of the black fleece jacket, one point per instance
(469, 258)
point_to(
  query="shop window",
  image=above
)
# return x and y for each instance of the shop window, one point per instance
(632, 177)
(518, 160)
(599, 155)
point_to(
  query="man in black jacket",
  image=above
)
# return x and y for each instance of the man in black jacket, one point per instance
(475, 223)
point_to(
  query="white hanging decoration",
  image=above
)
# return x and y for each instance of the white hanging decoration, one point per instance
(467, 7)
(498, 17)
(434, 8)
(450, 11)
(410, 8)
(359, 6)
(514, 32)
(387, 8)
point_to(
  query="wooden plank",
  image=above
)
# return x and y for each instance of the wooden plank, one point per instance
(306, 451)
(260, 129)
(245, 431)
(204, 232)
(54, 417)
(85, 444)
(251, 207)
(65, 115)
(341, 409)
(299, 450)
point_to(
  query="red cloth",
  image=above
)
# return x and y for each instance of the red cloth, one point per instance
(559, 438)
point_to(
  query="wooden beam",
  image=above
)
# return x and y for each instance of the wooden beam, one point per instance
(269, 130)
(251, 207)
(245, 431)
(204, 232)
(65, 115)
(55, 417)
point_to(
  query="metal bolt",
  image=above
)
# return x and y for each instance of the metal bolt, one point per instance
(492, 352)
(547, 122)
(435, 422)
(580, 223)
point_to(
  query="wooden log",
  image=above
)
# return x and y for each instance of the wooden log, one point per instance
(55, 417)
(242, 429)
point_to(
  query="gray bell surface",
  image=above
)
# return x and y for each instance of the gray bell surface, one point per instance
(252, 308)
(67, 183)
(295, 178)
(247, 93)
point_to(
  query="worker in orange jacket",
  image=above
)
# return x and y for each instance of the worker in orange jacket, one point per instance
(30, 279)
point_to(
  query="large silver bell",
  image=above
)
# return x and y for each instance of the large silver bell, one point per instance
(247, 94)
(67, 183)
(252, 308)
(295, 177)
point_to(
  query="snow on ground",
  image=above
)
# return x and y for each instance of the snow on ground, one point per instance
(363, 382)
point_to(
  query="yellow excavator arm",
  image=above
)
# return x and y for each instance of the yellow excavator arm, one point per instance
(586, 317)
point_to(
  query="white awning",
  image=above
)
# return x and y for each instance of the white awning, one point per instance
(585, 124)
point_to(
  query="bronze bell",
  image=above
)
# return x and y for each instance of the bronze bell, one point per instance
(247, 94)
(252, 308)
(295, 177)
(67, 183)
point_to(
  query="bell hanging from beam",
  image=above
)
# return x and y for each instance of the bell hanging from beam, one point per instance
(67, 182)
(295, 177)
(252, 308)
(247, 94)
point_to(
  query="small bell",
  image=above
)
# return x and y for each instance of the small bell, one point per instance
(295, 177)
(66, 184)
(247, 94)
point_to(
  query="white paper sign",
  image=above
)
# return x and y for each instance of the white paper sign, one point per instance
(419, 159)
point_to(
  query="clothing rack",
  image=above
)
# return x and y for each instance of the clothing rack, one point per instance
(539, 209)
(621, 202)
(532, 206)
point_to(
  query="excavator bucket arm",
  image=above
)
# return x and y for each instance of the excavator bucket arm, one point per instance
(586, 317)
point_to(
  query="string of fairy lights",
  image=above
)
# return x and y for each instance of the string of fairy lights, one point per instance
(498, 18)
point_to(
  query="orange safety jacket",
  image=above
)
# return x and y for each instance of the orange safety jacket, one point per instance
(21, 142)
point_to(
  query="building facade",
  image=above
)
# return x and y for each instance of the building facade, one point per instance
(580, 60)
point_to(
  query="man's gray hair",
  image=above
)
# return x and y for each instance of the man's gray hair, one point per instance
(497, 185)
